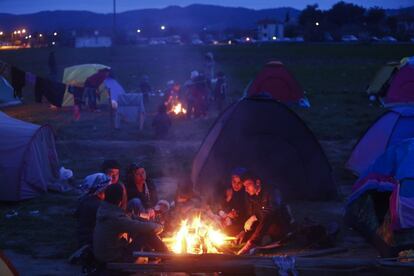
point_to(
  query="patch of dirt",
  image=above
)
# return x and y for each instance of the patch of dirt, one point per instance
(27, 265)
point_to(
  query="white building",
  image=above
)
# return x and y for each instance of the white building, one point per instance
(93, 41)
(269, 30)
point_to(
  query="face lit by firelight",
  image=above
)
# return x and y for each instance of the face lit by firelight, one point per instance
(236, 183)
(250, 187)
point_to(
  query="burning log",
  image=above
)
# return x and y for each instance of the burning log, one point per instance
(197, 237)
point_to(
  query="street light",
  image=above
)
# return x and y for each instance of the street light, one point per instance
(55, 33)
(162, 27)
(274, 37)
(53, 43)
(23, 31)
(40, 35)
(1, 33)
(316, 23)
(138, 30)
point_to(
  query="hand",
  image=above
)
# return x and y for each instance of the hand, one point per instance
(246, 248)
(240, 237)
(151, 213)
(248, 224)
(233, 214)
(229, 194)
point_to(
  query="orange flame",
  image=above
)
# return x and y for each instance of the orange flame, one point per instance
(178, 109)
(197, 237)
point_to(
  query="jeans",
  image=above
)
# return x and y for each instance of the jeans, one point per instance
(135, 206)
(91, 94)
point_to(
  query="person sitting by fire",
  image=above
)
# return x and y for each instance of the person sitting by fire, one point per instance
(86, 217)
(172, 94)
(161, 122)
(112, 222)
(267, 214)
(141, 193)
(233, 209)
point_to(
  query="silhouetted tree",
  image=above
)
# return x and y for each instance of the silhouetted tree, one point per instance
(345, 13)
(375, 18)
(287, 17)
(310, 15)
(392, 23)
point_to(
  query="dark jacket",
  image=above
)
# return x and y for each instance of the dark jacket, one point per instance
(238, 203)
(271, 212)
(86, 215)
(149, 200)
(111, 222)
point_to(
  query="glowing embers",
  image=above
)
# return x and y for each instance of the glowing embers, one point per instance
(197, 237)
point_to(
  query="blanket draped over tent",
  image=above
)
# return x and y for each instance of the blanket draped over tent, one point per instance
(381, 205)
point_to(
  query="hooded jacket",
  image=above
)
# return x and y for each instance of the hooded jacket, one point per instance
(111, 222)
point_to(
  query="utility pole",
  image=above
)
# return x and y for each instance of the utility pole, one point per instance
(114, 23)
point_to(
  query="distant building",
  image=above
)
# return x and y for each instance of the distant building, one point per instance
(268, 30)
(93, 41)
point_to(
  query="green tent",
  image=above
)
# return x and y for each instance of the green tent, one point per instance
(378, 85)
(6, 93)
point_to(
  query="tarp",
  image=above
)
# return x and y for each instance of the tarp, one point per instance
(268, 138)
(28, 159)
(77, 75)
(394, 126)
(381, 205)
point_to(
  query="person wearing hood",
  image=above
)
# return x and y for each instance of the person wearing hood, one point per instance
(113, 225)
(87, 208)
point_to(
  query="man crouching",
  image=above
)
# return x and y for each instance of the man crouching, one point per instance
(267, 214)
(111, 225)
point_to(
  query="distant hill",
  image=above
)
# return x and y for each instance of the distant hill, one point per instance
(407, 10)
(193, 16)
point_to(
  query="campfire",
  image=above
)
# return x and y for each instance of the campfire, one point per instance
(197, 237)
(178, 109)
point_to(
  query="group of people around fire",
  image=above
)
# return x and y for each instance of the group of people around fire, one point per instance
(116, 218)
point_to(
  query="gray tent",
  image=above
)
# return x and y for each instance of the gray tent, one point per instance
(6, 93)
(269, 139)
(28, 159)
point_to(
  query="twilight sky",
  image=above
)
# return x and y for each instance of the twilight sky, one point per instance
(104, 6)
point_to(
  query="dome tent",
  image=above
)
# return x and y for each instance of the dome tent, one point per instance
(390, 129)
(401, 90)
(275, 80)
(28, 159)
(271, 140)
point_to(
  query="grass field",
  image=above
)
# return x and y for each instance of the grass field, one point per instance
(333, 75)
